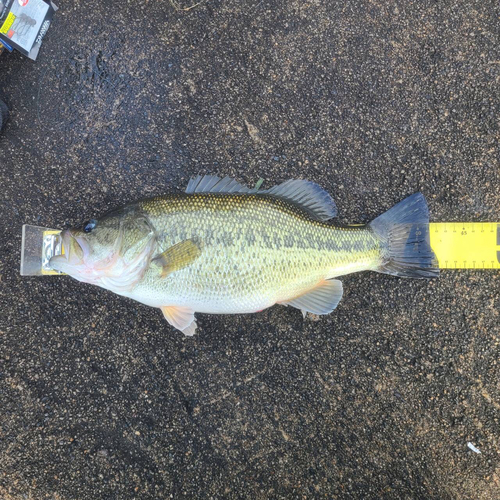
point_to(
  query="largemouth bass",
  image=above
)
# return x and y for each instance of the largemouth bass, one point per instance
(223, 248)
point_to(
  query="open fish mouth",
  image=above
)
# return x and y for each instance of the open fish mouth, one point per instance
(76, 250)
(113, 271)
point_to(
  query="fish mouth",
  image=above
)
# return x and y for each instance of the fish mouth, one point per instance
(75, 251)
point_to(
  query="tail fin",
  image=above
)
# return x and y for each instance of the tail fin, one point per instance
(404, 231)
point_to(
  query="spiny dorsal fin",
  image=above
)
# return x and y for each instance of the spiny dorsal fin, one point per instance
(307, 195)
(322, 299)
(214, 184)
(178, 256)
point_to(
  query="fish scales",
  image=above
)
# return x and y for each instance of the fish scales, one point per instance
(257, 250)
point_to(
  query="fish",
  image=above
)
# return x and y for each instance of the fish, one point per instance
(221, 247)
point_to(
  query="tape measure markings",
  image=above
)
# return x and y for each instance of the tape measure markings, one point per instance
(466, 245)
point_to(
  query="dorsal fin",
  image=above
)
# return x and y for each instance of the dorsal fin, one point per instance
(307, 195)
(214, 184)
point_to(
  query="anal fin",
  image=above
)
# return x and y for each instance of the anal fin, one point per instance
(181, 318)
(322, 299)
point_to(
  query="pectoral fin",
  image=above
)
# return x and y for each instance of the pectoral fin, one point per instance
(178, 256)
(320, 300)
(181, 318)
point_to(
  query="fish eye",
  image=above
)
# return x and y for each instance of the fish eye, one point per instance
(88, 226)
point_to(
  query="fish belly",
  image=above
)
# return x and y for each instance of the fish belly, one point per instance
(248, 278)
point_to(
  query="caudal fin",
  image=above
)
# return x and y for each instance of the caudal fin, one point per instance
(404, 232)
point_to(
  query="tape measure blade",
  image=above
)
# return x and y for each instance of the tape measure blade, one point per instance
(466, 245)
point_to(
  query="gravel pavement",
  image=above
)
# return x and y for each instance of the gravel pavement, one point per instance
(373, 100)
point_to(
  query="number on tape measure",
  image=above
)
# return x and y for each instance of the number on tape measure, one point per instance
(466, 245)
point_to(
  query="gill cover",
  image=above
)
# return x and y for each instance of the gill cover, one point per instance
(131, 256)
(113, 255)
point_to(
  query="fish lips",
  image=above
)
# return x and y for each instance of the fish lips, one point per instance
(76, 249)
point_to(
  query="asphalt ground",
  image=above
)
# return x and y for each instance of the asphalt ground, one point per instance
(101, 399)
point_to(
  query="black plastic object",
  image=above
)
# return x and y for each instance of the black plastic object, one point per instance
(4, 114)
(23, 24)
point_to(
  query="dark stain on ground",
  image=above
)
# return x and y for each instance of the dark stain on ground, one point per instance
(100, 398)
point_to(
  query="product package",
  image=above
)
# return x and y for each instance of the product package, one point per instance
(23, 24)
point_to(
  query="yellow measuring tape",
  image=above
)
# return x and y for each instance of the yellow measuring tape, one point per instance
(466, 245)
